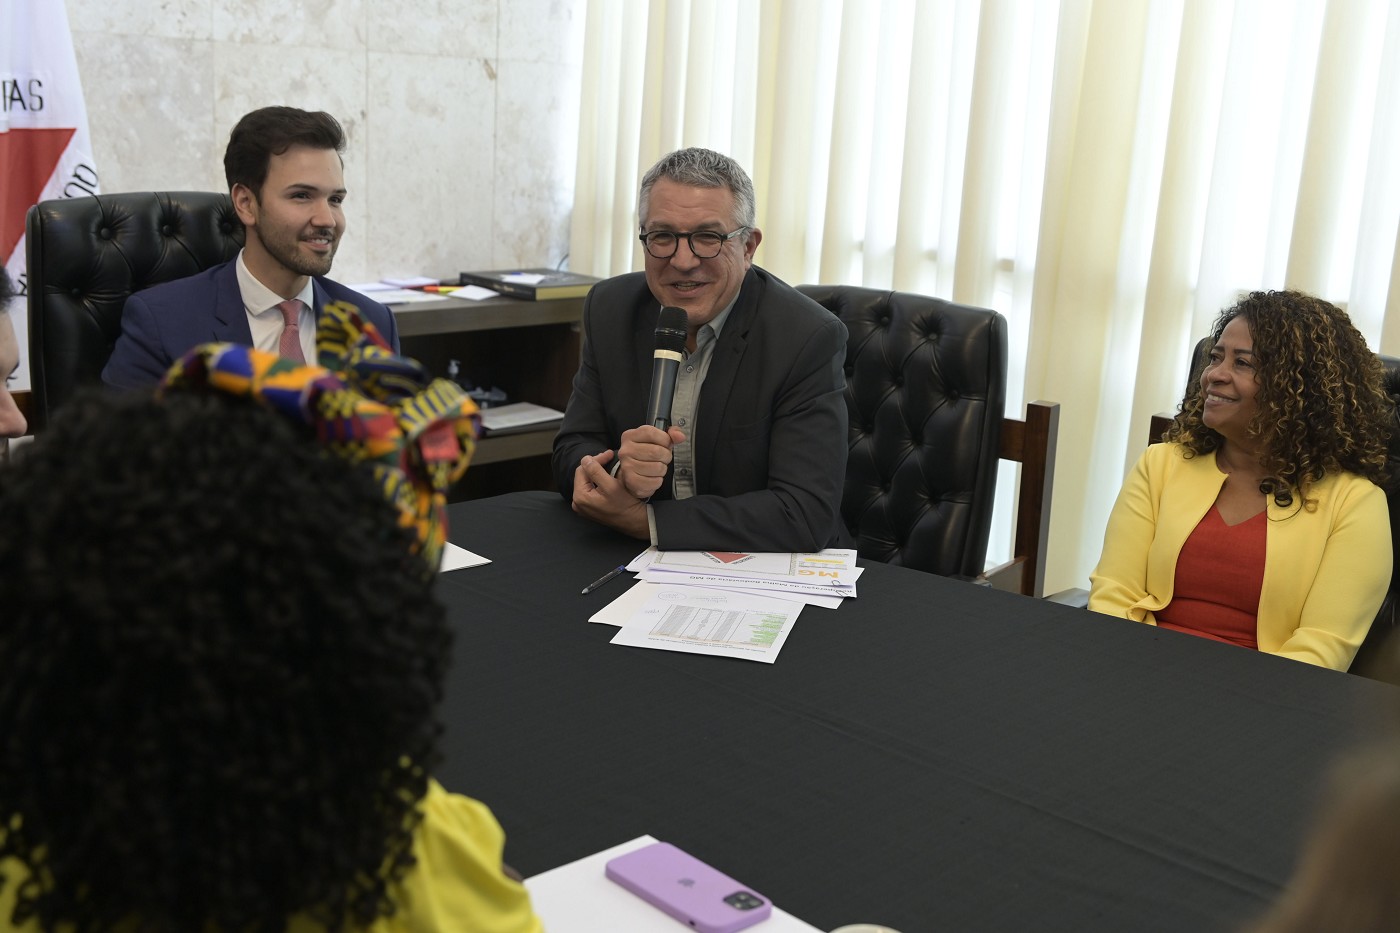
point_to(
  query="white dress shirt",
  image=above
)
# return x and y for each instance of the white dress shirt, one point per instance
(265, 318)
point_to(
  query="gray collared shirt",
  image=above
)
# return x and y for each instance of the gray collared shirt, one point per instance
(684, 408)
(686, 402)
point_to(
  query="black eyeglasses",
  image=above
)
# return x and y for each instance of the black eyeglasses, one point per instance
(705, 244)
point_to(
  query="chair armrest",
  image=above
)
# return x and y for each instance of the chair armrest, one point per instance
(1008, 576)
(1073, 597)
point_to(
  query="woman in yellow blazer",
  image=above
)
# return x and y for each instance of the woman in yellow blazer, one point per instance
(1260, 520)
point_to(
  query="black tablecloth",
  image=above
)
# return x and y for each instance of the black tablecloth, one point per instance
(933, 755)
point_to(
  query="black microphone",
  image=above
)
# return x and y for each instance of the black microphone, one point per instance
(670, 350)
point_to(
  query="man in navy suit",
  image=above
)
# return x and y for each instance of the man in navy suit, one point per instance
(286, 179)
(755, 459)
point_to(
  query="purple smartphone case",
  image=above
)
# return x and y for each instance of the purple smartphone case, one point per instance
(685, 887)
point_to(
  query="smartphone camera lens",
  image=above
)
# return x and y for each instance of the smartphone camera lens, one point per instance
(744, 900)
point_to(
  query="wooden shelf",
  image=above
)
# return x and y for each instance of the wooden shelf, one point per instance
(530, 349)
(457, 315)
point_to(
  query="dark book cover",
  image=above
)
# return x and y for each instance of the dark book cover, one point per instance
(520, 283)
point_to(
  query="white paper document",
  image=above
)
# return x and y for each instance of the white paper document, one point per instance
(833, 566)
(627, 605)
(779, 588)
(706, 621)
(474, 293)
(455, 558)
(389, 295)
(769, 563)
(407, 296)
(643, 560)
(500, 418)
(579, 898)
(820, 600)
(631, 601)
(813, 594)
(829, 573)
(409, 281)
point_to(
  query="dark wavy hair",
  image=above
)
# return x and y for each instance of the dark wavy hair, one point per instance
(1321, 405)
(269, 131)
(220, 669)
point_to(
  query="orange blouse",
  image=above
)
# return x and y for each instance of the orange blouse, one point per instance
(1219, 574)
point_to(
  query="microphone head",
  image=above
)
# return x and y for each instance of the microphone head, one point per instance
(671, 330)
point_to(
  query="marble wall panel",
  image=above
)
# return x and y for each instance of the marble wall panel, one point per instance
(438, 180)
(542, 31)
(457, 28)
(321, 24)
(432, 163)
(536, 136)
(171, 19)
(148, 110)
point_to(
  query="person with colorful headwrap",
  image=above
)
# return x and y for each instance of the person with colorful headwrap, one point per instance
(221, 660)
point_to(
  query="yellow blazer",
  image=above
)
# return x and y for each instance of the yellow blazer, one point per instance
(1325, 571)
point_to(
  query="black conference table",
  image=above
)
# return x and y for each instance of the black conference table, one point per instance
(933, 755)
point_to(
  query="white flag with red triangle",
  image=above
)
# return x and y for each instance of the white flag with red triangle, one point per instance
(45, 149)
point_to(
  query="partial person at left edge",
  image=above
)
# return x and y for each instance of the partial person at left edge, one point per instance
(285, 176)
(12, 421)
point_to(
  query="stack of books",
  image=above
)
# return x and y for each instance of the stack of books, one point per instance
(532, 284)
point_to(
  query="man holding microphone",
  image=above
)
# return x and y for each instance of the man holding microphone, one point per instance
(754, 457)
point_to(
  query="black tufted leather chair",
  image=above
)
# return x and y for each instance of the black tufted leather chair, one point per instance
(926, 388)
(86, 255)
(1379, 654)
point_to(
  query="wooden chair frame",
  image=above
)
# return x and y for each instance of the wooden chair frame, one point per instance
(1032, 444)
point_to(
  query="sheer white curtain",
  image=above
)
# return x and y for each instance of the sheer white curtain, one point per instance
(1108, 174)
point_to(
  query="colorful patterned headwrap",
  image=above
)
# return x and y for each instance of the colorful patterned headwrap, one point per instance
(415, 433)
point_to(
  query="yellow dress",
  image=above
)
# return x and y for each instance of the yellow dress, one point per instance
(456, 885)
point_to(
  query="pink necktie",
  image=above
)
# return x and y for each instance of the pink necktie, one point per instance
(289, 344)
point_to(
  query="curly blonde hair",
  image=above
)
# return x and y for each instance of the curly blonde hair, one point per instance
(1321, 405)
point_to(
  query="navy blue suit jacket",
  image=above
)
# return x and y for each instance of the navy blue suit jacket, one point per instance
(160, 324)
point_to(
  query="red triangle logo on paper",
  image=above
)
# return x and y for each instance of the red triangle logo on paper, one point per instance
(28, 158)
(727, 557)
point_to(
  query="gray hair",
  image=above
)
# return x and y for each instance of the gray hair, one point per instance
(701, 168)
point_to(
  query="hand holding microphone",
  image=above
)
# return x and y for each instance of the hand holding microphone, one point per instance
(645, 452)
(666, 363)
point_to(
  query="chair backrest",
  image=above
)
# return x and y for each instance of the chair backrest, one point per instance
(926, 388)
(1373, 659)
(86, 255)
